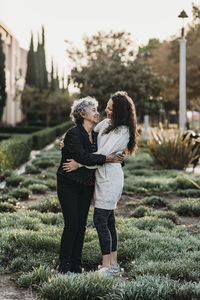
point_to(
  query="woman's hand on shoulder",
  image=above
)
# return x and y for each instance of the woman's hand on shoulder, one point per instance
(70, 165)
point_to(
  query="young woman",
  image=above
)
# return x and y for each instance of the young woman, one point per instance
(116, 133)
(75, 189)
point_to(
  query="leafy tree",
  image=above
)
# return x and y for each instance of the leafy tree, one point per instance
(46, 107)
(2, 79)
(29, 102)
(55, 106)
(147, 50)
(107, 64)
(192, 61)
(167, 68)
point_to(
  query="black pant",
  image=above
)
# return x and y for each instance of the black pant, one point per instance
(104, 221)
(75, 201)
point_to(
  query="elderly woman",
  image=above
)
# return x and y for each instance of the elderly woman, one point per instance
(75, 189)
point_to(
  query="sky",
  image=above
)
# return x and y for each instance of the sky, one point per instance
(71, 19)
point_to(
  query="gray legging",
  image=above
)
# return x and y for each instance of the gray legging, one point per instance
(104, 221)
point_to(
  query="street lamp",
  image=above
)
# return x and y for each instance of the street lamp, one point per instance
(182, 74)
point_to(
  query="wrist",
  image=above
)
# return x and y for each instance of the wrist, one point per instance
(108, 158)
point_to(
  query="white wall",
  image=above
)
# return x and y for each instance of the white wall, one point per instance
(16, 60)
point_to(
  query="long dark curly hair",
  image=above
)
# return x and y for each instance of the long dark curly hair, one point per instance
(123, 113)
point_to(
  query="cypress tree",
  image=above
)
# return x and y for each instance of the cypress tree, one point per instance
(57, 79)
(41, 64)
(44, 60)
(52, 84)
(2, 79)
(63, 82)
(31, 72)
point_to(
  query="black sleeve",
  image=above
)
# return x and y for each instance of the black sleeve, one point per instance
(72, 141)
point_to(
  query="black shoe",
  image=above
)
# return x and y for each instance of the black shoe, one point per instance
(64, 268)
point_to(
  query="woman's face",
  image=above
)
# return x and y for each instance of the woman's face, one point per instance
(92, 115)
(109, 109)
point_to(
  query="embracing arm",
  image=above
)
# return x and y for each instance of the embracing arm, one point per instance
(117, 142)
(72, 141)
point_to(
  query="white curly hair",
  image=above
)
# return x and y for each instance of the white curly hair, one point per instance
(81, 107)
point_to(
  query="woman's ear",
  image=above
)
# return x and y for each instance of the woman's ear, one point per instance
(82, 115)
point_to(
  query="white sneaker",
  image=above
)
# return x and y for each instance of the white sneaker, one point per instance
(105, 271)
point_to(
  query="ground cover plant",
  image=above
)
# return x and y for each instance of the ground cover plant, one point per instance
(161, 259)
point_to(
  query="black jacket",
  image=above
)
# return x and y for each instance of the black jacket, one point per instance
(77, 146)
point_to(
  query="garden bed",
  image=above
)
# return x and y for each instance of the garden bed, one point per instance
(160, 255)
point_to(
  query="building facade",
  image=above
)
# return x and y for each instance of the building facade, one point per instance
(15, 68)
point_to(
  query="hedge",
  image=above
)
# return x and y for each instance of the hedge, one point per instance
(15, 151)
(46, 136)
(4, 137)
(29, 129)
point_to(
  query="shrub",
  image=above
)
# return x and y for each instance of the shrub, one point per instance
(182, 182)
(14, 152)
(189, 207)
(47, 175)
(30, 181)
(151, 222)
(166, 214)
(154, 201)
(8, 198)
(140, 212)
(14, 180)
(4, 137)
(38, 188)
(20, 193)
(48, 205)
(43, 163)
(188, 193)
(31, 169)
(6, 173)
(144, 184)
(7, 207)
(170, 151)
(51, 184)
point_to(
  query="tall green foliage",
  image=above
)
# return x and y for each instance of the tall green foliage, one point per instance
(44, 69)
(31, 73)
(36, 75)
(54, 84)
(41, 64)
(2, 79)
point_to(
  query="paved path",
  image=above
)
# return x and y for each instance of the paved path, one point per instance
(10, 291)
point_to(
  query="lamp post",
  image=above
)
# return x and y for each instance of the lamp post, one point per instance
(182, 75)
